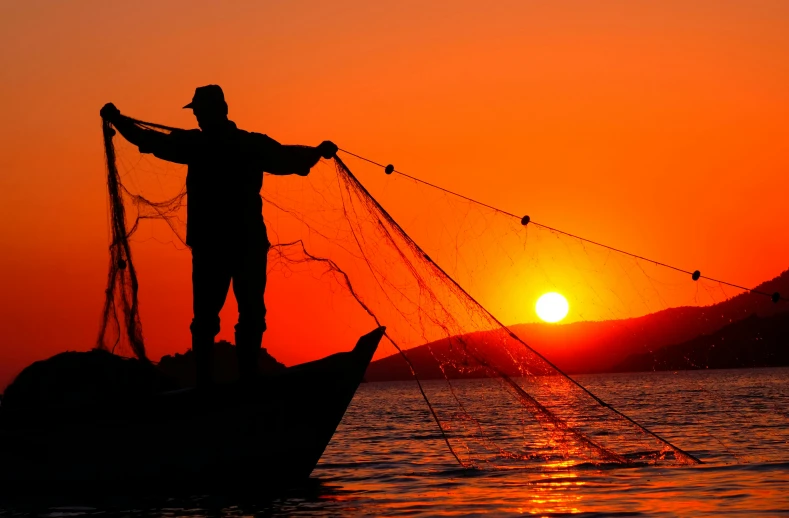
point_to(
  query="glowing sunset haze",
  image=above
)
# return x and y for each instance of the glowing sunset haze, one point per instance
(659, 127)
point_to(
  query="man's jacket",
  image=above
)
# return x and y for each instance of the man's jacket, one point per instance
(224, 178)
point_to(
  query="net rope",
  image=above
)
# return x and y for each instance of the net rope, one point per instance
(329, 228)
(525, 220)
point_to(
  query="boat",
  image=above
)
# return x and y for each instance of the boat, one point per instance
(273, 431)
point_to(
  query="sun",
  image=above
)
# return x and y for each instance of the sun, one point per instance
(552, 307)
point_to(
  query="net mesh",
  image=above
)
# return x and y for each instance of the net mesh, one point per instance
(513, 405)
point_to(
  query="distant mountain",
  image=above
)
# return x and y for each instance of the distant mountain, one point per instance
(587, 347)
(752, 342)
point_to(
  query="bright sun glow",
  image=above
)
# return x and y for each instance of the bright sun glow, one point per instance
(552, 307)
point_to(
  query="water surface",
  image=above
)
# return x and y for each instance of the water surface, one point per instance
(387, 459)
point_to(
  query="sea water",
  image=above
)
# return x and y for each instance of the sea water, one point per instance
(387, 459)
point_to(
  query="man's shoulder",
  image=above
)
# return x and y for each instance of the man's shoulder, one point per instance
(187, 135)
(255, 135)
(257, 139)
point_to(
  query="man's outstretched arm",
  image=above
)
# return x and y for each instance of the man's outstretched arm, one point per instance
(162, 145)
(297, 159)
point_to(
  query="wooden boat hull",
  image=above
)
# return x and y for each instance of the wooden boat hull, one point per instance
(274, 431)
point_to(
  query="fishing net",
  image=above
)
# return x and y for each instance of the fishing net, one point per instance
(444, 283)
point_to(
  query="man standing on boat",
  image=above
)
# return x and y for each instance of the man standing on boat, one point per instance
(224, 226)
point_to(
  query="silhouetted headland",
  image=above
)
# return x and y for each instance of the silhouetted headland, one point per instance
(750, 343)
(605, 346)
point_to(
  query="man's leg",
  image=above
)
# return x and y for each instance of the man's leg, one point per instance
(249, 285)
(210, 282)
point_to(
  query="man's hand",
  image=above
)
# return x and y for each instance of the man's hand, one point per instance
(327, 149)
(110, 113)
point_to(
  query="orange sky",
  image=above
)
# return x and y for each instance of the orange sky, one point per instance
(659, 127)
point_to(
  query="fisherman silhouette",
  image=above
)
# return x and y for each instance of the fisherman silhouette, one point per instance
(224, 227)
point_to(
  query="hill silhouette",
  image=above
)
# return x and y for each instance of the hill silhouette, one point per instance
(752, 342)
(601, 346)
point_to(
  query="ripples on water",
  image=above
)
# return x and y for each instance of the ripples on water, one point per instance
(387, 458)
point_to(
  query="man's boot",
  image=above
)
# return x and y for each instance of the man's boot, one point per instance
(248, 354)
(204, 362)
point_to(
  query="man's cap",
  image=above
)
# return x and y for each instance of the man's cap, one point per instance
(209, 96)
